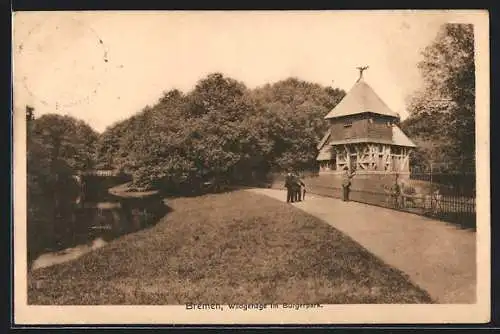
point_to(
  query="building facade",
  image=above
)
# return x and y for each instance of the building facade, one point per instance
(364, 136)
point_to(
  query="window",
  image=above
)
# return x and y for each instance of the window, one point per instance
(347, 123)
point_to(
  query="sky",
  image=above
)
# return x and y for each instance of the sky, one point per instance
(103, 67)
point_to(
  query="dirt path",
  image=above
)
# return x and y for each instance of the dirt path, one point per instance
(437, 256)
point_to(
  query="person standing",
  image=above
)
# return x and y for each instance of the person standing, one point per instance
(396, 193)
(295, 197)
(296, 187)
(300, 187)
(289, 187)
(346, 183)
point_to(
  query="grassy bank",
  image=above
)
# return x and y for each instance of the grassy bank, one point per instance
(235, 247)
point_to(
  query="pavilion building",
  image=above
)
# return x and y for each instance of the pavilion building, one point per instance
(364, 136)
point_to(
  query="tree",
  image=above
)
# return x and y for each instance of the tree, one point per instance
(197, 137)
(67, 138)
(444, 110)
(57, 147)
(292, 112)
(220, 131)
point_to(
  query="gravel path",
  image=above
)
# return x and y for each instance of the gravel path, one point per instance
(437, 256)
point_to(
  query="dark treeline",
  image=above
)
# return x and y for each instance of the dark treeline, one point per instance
(220, 132)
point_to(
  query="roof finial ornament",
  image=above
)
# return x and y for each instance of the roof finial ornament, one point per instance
(361, 70)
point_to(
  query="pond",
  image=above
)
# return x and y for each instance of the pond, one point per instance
(96, 217)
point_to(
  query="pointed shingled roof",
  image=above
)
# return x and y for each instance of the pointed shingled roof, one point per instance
(360, 99)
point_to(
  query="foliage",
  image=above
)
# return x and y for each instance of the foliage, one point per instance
(57, 147)
(292, 111)
(66, 140)
(444, 110)
(221, 131)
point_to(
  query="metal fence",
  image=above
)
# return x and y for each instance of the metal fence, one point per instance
(455, 184)
(456, 209)
(448, 197)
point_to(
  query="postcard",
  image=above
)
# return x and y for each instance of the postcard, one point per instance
(251, 167)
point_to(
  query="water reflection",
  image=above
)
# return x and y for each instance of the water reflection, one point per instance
(95, 217)
(69, 254)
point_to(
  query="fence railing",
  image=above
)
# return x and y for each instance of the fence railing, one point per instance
(448, 183)
(456, 209)
(453, 199)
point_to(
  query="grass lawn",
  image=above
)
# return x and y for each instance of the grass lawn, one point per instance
(235, 247)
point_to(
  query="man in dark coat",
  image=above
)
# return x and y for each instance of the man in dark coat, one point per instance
(346, 183)
(289, 185)
(395, 192)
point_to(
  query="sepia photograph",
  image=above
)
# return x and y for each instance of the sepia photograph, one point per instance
(251, 167)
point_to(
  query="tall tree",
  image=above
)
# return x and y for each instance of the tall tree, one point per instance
(201, 136)
(57, 147)
(70, 140)
(293, 113)
(444, 110)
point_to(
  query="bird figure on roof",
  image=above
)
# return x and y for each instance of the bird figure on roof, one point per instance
(361, 70)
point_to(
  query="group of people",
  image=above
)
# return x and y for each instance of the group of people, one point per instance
(295, 188)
